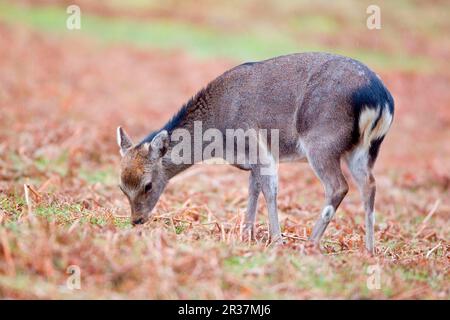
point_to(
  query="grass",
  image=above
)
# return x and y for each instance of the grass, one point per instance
(204, 41)
(159, 33)
(105, 176)
(63, 98)
(58, 165)
(315, 24)
(186, 260)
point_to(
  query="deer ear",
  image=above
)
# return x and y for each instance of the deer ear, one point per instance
(159, 145)
(123, 141)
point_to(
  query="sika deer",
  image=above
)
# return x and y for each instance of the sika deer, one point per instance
(327, 108)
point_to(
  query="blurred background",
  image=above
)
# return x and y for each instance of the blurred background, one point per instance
(411, 35)
(134, 63)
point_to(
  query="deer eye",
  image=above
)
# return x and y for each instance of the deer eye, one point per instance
(148, 187)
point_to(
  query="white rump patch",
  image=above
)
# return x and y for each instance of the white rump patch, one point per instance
(366, 120)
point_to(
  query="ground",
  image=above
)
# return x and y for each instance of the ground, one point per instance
(62, 95)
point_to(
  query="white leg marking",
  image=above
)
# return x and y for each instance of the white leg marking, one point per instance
(328, 213)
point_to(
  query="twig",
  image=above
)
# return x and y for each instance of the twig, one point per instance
(428, 217)
(35, 192)
(294, 237)
(433, 249)
(27, 199)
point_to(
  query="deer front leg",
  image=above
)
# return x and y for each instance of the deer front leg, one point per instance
(254, 190)
(269, 187)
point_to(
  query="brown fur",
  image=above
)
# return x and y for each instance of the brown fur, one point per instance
(133, 167)
(315, 100)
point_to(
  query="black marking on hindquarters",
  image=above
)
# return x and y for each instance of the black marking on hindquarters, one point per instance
(373, 95)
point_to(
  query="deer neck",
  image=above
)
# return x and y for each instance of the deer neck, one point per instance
(196, 112)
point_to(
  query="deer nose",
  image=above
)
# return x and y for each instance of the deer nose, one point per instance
(138, 221)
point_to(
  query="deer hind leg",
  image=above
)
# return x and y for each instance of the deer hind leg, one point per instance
(328, 169)
(360, 165)
(254, 189)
